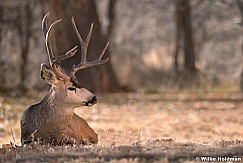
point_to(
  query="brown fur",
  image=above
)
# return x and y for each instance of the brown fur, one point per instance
(53, 121)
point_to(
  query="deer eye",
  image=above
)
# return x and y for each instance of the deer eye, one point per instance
(72, 89)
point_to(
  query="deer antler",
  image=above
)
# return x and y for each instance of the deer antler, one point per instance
(84, 45)
(55, 61)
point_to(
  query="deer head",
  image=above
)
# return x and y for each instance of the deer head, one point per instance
(66, 85)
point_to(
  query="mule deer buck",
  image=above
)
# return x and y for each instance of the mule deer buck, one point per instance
(53, 121)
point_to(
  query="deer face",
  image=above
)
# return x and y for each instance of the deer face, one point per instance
(72, 94)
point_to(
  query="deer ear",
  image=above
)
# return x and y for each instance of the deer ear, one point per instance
(48, 75)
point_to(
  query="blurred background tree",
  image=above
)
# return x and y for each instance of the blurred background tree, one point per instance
(240, 6)
(184, 36)
(147, 39)
(184, 41)
(20, 45)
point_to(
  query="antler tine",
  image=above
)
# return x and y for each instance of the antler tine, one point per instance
(84, 45)
(68, 54)
(52, 59)
(96, 62)
(44, 24)
(102, 53)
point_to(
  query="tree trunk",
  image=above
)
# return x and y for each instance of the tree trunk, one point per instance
(97, 79)
(184, 32)
(111, 15)
(178, 38)
(240, 6)
(25, 34)
(1, 22)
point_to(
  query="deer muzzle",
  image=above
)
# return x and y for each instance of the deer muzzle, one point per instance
(91, 102)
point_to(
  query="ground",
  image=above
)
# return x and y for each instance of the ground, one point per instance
(139, 127)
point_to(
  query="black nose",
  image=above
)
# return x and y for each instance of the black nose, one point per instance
(93, 100)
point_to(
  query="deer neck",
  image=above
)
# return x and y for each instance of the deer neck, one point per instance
(59, 113)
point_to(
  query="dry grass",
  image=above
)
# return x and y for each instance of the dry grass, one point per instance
(139, 127)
